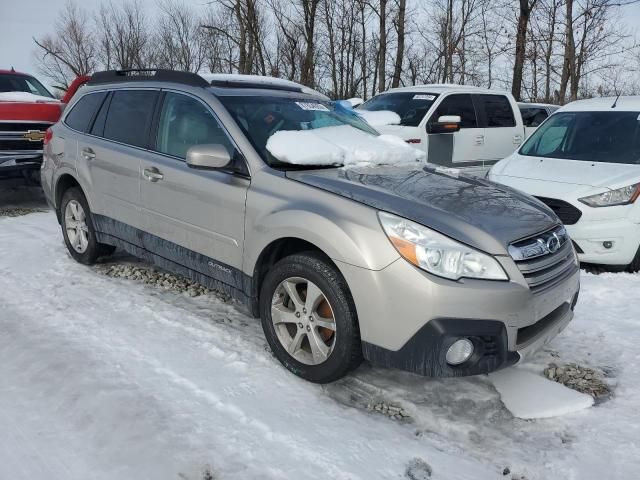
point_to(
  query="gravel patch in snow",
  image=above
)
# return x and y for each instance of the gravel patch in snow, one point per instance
(583, 379)
(392, 411)
(418, 469)
(157, 278)
(18, 211)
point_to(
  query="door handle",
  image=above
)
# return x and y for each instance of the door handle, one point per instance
(479, 140)
(517, 139)
(88, 154)
(152, 174)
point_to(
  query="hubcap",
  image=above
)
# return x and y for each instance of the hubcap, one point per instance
(75, 224)
(303, 320)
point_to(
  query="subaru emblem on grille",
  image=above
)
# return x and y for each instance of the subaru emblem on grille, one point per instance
(553, 243)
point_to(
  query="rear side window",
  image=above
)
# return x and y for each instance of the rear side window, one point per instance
(533, 116)
(129, 116)
(459, 104)
(81, 116)
(496, 110)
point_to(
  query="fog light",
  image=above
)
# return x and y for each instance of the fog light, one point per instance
(607, 244)
(460, 351)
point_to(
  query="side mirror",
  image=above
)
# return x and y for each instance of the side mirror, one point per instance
(212, 156)
(445, 124)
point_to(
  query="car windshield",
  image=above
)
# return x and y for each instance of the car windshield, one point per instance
(410, 106)
(22, 83)
(612, 137)
(262, 116)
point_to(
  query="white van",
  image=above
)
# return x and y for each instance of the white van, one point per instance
(584, 163)
(458, 126)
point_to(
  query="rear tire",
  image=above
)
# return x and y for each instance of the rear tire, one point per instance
(78, 230)
(337, 348)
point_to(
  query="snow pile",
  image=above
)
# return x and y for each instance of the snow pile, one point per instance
(379, 118)
(25, 97)
(341, 145)
(529, 396)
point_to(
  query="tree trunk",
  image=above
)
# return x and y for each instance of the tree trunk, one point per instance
(569, 54)
(397, 71)
(521, 41)
(382, 51)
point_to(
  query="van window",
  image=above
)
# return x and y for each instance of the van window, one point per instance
(411, 107)
(129, 116)
(496, 110)
(82, 113)
(533, 116)
(459, 104)
(185, 122)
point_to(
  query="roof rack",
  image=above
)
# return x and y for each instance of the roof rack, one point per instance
(266, 86)
(148, 74)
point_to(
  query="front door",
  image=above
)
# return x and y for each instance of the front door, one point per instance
(196, 216)
(466, 146)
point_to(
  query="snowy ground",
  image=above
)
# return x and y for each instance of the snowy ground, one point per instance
(106, 378)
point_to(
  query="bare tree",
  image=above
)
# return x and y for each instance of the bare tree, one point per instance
(400, 30)
(69, 53)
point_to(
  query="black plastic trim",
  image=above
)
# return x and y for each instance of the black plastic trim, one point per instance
(425, 352)
(145, 75)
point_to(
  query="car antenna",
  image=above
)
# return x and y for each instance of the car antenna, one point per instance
(12, 69)
(615, 102)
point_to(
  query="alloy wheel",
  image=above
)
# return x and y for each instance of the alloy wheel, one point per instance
(75, 222)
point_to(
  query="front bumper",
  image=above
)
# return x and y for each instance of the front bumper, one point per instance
(590, 236)
(18, 162)
(409, 318)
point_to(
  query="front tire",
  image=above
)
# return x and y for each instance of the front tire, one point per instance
(77, 228)
(309, 318)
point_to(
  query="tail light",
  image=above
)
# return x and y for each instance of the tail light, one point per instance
(48, 135)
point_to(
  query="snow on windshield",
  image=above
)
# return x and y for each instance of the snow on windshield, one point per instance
(379, 118)
(24, 97)
(340, 145)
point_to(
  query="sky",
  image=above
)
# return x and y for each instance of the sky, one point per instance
(21, 20)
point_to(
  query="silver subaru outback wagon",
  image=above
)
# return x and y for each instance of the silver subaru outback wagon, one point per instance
(408, 266)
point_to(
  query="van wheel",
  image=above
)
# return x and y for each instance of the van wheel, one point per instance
(634, 266)
(309, 318)
(77, 228)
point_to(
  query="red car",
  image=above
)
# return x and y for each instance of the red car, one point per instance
(27, 110)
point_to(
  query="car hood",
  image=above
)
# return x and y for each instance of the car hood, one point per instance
(474, 211)
(572, 172)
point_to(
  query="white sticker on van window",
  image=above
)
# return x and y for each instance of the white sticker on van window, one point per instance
(312, 106)
(422, 96)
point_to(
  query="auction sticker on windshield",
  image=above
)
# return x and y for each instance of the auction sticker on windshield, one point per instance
(421, 96)
(312, 106)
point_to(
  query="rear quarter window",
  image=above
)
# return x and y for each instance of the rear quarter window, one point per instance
(83, 112)
(129, 116)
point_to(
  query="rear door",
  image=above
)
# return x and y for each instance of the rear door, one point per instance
(114, 151)
(502, 132)
(201, 211)
(466, 146)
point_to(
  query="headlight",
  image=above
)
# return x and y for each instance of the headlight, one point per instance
(437, 254)
(621, 196)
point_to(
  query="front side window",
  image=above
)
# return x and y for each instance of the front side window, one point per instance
(460, 105)
(612, 137)
(129, 116)
(185, 122)
(82, 113)
(260, 117)
(496, 110)
(411, 107)
(22, 83)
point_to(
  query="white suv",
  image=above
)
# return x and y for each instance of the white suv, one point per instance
(488, 129)
(584, 163)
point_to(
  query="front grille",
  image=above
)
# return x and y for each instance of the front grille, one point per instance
(12, 135)
(18, 126)
(567, 213)
(541, 266)
(19, 145)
